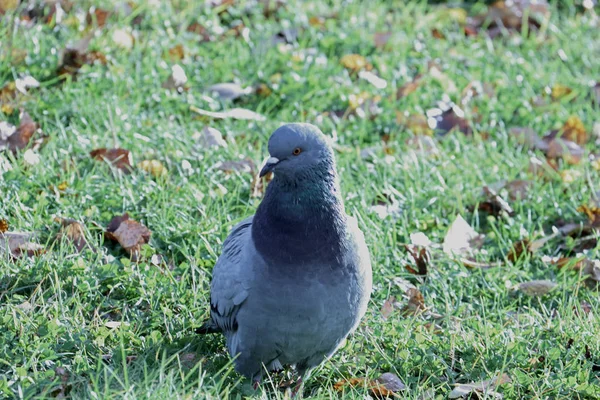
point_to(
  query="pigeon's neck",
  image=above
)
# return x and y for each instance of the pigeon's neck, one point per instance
(301, 222)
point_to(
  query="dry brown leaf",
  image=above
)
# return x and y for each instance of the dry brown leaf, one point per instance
(537, 287)
(77, 55)
(447, 117)
(569, 151)
(15, 139)
(234, 113)
(529, 138)
(130, 234)
(494, 204)
(574, 130)
(118, 158)
(97, 16)
(472, 263)
(415, 304)
(388, 307)
(340, 386)
(474, 390)
(381, 39)
(354, 62)
(153, 167)
(210, 137)
(508, 16)
(528, 246)
(409, 87)
(73, 232)
(201, 31)
(421, 258)
(243, 166)
(17, 244)
(176, 53)
(229, 91)
(386, 385)
(3, 225)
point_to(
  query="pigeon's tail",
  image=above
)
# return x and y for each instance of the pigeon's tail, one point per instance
(208, 327)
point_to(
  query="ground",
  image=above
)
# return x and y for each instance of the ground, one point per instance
(97, 324)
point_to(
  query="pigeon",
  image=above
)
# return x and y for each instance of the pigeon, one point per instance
(293, 281)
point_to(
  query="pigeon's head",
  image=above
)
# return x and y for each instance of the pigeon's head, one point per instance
(297, 150)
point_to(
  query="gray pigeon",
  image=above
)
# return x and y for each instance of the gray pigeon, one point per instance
(295, 279)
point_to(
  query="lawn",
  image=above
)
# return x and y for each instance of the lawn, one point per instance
(436, 112)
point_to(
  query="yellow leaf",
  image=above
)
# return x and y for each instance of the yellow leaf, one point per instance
(153, 167)
(354, 62)
(6, 5)
(574, 130)
(559, 91)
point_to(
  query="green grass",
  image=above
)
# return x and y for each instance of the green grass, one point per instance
(54, 307)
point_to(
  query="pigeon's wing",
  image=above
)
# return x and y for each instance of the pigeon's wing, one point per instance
(231, 278)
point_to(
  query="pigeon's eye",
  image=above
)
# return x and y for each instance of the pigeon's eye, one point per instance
(297, 151)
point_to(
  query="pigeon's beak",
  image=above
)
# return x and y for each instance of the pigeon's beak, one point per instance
(269, 165)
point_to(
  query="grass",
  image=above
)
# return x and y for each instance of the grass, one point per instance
(54, 307)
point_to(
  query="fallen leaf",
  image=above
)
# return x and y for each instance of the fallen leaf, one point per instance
(176, 53)
(386, 385)
(17, 244)
(415, 304)
(118, 158)
(529, 138)
(528, 246)
(8, 5)
(510, 16)
(560, 91)
(130, 234)
(574, 130)
(3, 225)
(15, 139)
(447, 117)
(472, 263)
(153, 167)
(234, 113)
(421, 257)
(243, 166)
(73, 232)
(537, 287)
(461, 238)
(474, 390)
(340, 386)
(229, 91)
(97, 16)
(177, 79)
(210, 137)
(388, 307)
(409, 87)
(569, 151)
(494, 204)
(381, 39)
(354, 62)
(75, 56)
(201, 31)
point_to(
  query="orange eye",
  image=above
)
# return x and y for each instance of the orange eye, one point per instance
(297, 151)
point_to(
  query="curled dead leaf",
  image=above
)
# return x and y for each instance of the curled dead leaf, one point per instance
(130, 234)
(15, 139)
(118, 158)
(73, 232)
(17, 244)
(415, 304)
(3, 225)
(421, 258)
